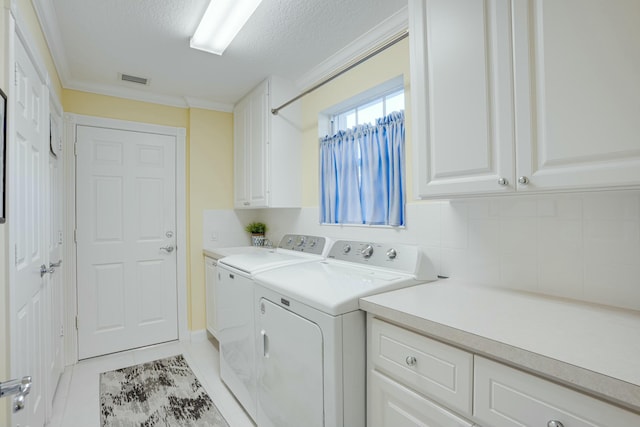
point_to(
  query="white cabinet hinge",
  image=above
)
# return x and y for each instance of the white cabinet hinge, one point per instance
(61, 330)
(75, 235)
(76, 323)
(75, 148)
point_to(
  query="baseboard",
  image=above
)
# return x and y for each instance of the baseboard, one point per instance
(199, 335)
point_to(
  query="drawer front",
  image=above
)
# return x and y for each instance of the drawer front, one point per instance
(392, 405)
(432, 368)
(507, 397)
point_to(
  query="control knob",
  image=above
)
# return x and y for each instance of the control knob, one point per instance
(392, 253)
(300, 241)
(346, 248)
(367, 251)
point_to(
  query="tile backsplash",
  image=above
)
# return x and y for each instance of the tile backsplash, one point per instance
(583, 246)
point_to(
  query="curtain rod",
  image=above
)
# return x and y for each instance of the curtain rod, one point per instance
(385, 46)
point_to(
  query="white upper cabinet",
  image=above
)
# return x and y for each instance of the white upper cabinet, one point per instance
(577, 93)
(267, 148)
(461, 80)
(526, 95)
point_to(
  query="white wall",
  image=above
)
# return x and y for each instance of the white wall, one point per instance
(579, 245)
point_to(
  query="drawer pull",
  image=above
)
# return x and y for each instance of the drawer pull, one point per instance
(554, 423)
(411, 361)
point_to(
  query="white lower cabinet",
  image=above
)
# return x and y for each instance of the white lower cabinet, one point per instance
(211, 280)
(393, 405)
(507, 397)
(416, 381)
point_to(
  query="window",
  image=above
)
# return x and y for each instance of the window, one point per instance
(369, 112)
(362, 161)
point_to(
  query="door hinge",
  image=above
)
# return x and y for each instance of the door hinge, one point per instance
(75, 148)
(61, 330)
(15, 74)
(76, 323)
(15, 254)
(75, 235)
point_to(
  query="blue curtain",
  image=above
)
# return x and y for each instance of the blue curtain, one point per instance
(362, 174)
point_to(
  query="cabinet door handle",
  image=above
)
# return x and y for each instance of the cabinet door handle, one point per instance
(523, 180)
(246, 203)
(554, 423)
(503, 181)
(411, 361)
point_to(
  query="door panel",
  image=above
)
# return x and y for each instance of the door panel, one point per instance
(29, 233)
(237, 339)
(126, 219)
(290, 369)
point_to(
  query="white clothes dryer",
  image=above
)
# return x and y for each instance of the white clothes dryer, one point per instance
(311, 334)
(234, 305)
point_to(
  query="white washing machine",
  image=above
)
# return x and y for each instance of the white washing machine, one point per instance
(234, 305)
(311, 334)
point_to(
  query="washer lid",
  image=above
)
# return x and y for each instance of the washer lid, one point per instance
(253, 262)
(332, 287)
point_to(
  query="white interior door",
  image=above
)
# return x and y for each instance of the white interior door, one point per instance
(29, 232)
(126, 233)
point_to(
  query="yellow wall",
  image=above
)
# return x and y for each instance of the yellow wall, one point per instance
(211, 187)
(379, 69)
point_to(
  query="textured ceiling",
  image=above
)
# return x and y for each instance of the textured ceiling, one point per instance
(150, 38)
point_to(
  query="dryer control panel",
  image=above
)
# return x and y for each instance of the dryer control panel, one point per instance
(303, 243)
(403, 258)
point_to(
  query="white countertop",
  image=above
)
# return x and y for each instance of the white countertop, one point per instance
(217, 253)
(590, 347)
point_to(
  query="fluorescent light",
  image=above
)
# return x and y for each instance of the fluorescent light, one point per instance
(221, 22)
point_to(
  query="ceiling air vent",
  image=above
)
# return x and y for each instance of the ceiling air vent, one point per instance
(134, 79)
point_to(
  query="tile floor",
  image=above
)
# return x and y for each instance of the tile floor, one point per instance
(76, 403)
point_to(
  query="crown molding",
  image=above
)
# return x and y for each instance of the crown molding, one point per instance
(151, 97)
(208, 105)
(46, 13)
(386, 30)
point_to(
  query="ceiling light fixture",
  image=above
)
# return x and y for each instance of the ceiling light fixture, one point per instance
(221, 22)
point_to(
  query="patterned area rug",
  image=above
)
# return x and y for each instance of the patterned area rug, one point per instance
(164, 392)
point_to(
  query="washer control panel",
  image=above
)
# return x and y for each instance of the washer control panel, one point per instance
(303, 243)
(399, 257)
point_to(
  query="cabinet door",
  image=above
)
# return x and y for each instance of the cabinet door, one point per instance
(211, 279)
(461, 75)
(241, 121)
(258, 147)
(577, 93)
(392, 405)
(506, 397)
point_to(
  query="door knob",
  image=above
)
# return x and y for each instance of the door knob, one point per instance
(54, 265)
(19, 388)
(44, 270)
(167, 248)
